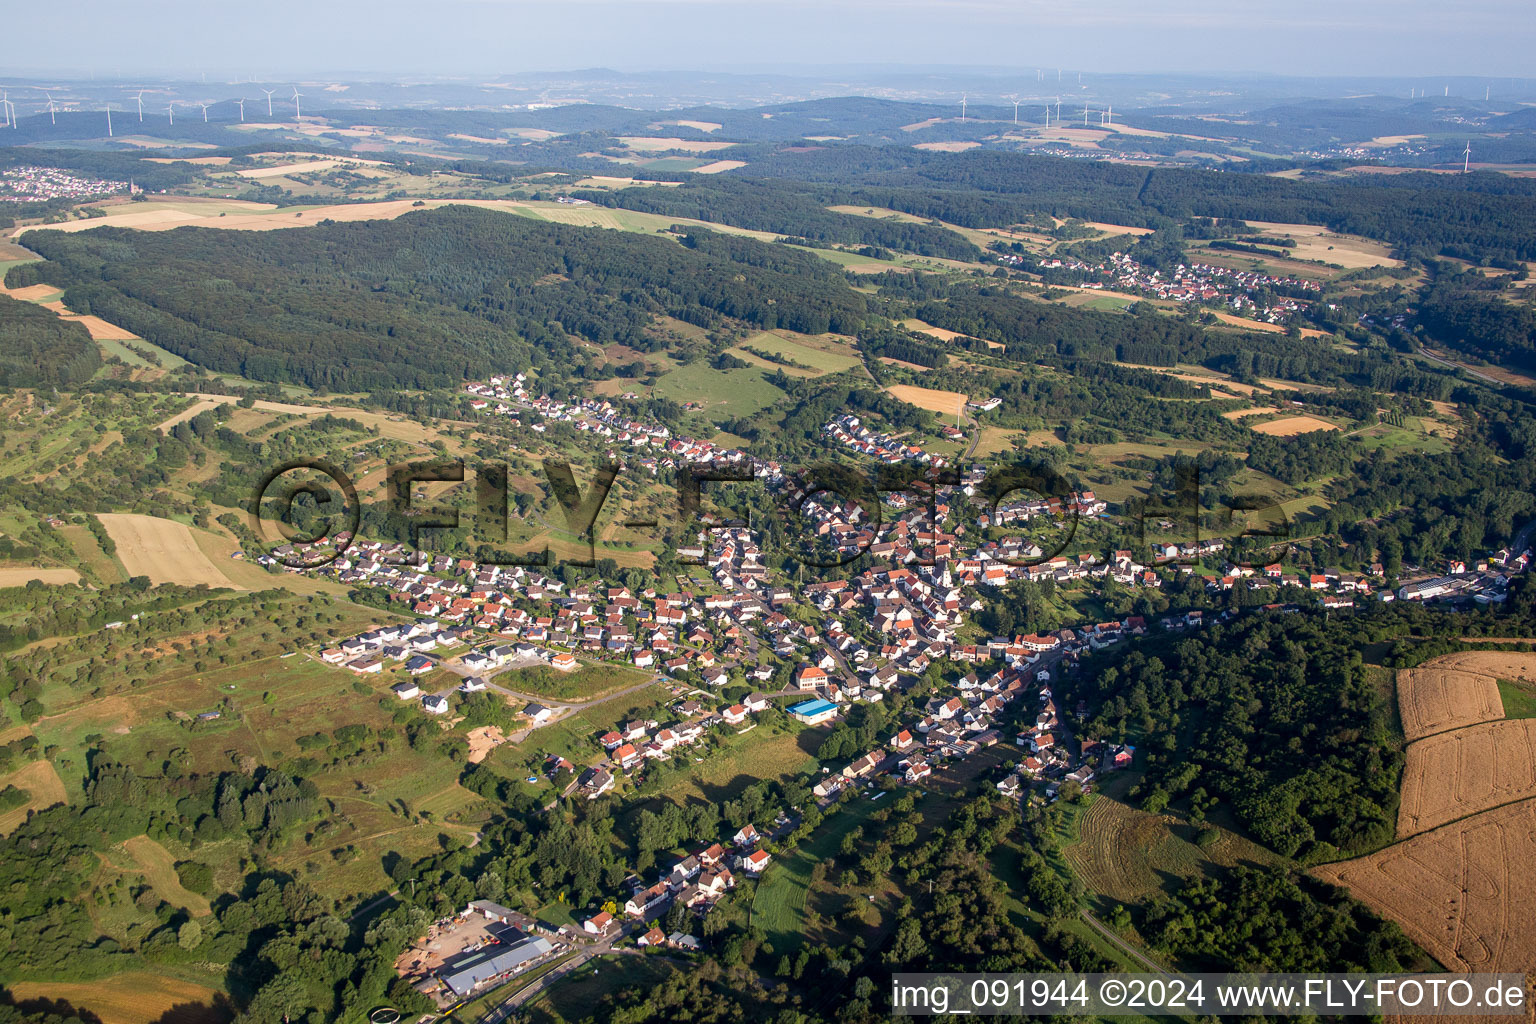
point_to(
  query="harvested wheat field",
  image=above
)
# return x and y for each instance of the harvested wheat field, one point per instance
(134, 998)
(1499, 664)
(1454, 774)
(42, 783)
(947, 147)
(482, 741)
(948, 403)
(1292, 426)
(162, 549)
(21, 575)
(646, 144)
(1237, 414)
(1464, 892)
(1436, 698)
(719, 165)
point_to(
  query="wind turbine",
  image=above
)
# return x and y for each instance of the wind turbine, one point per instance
(170, 110)
(109, 120)
(1466, 157)
(205, 112)
(1058, 109)
(269, 93)
(1085, 117)
(1109, 113)
(139, 99)
(1015, 110)
(1047, 115)
(51, 116)
(297, 94)
(5, 105)
(962, 106)
(241, 101)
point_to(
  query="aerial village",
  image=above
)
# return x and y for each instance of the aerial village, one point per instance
(884, 630)
(1191, 282)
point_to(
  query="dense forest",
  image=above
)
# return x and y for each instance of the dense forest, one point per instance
(430, 299)
(1272, 717)
(41, 350)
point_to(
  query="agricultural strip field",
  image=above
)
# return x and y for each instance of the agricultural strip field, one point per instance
(1436, 698)
(1291, 426)
(134, 998)
(1128, 855)
(1464, 892)
(1454, 774)
(44, 786)
(162, 549)
(946, 403)
(19, 576)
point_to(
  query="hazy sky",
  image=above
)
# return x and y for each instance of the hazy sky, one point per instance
(1309, 37)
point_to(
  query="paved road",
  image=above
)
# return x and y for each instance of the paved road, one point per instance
(1464, 369)
(1125, 947)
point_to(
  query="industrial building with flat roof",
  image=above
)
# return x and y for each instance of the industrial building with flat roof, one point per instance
(464, 973)
(813, 712)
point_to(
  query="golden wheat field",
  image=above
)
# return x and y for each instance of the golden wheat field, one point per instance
(1436, 697)
(162, 549)
(1464, 892)
(1292, 425)
(1454, 774)
(948, 403)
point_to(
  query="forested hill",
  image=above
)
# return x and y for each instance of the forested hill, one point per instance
(427, 300)
(40, 350)
(1490, 213)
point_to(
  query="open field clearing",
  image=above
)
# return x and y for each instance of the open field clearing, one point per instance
(1464, 892)
(741, 761)
(134, 998)
(20, 576)
(721, 393)
(296, 168)
(98, 565)
(643, 144)
(947, 147)
(31, 293)
(159, 869)
(1117, 229)
(201, 161)
(943, 335)
(42, 782)
(1255, 410)
(824, 354)
(1503, 664)
(703, 126)
(715, 167)
(1128, 855)
(1455, 774)
(1318, 243)
(162, 549)
(1290, 426)
(946, 403)
(1278, 265)
(1261, 326)
(1436, 698)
